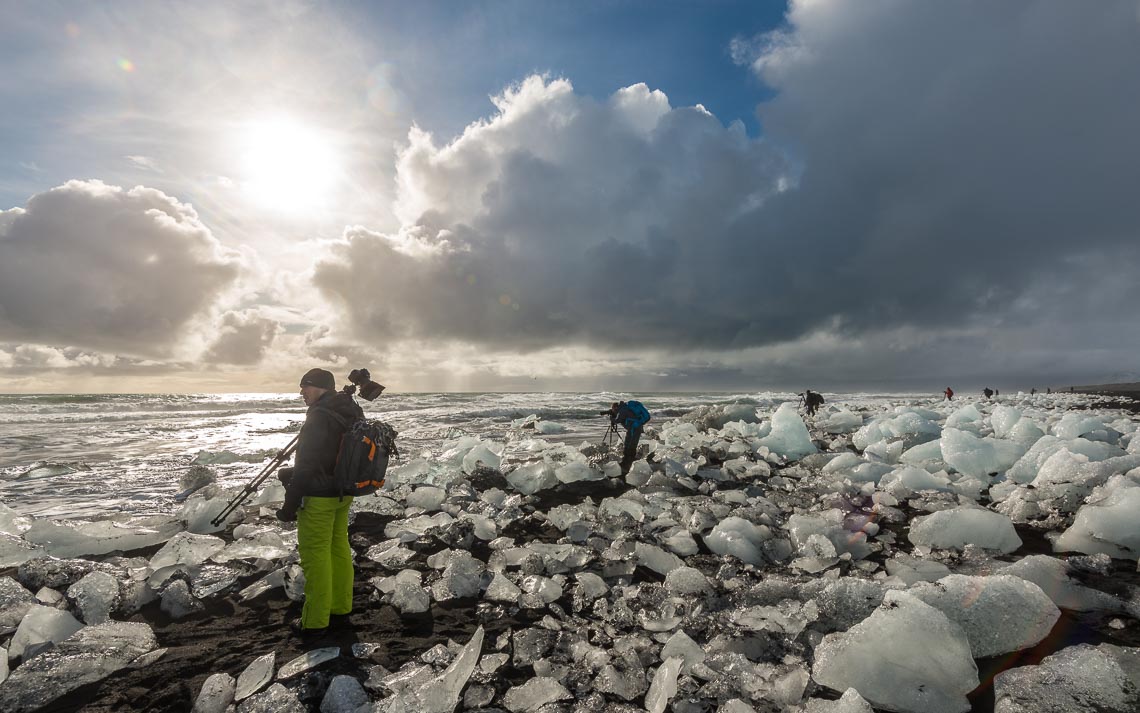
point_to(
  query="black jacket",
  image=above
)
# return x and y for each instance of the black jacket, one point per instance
(318, 448)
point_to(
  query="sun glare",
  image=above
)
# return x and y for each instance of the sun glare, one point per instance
(287, 166)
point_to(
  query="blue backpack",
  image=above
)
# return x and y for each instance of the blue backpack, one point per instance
(640, 415)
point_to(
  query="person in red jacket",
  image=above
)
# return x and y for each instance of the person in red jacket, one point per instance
(949, 394)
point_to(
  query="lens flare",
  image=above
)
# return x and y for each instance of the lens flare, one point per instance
(125, 64)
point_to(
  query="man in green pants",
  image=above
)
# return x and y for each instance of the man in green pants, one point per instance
(313, 500)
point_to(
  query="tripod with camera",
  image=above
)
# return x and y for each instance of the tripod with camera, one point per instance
(368, 389)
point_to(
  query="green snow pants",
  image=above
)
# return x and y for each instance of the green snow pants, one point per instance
(322, 541)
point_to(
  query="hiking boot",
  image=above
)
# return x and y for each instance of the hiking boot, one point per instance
(340, 621)
(298, 630)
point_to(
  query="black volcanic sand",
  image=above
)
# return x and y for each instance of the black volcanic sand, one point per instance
(230, 634)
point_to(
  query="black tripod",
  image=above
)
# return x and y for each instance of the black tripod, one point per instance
(252, 486)
(612, 437)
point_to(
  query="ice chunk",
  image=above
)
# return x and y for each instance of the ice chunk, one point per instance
(502, 589)
(911, 478)
(1101, 678)
(442, 695)
(545, 588)
(96, 596)
(1003, 419)
(789, 437)
(15, 601)
(576, 471)
(531, 478)
(681, 646)
(1110, 526)
(275, 699)
(999, 614)
(480, 455)
(657, 559)
(74, 539)
(186, 548)
(840, 421)
(263, 543)
(254, 677)
(788, 617)
(845, 534)
(463, 577)
(907, 656)
(740, 538)
(664, 685)
(408, 594)
(177, 601)
(427, 497)
(12, 522)
(1051, 575)
(911, 569)
(534, 694)
(39, 625)
(344, 695)
(978, 457)
(849, 702)
(216, 695)
(415, 527)
(622, 682)
(15, 550)
(88, 656)
(308, 660)
(1026, 468)
(956, 528)
(1075, 425)
(930, 452)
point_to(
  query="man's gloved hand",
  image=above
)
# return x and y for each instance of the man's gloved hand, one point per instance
(287, 515)
(285, 475)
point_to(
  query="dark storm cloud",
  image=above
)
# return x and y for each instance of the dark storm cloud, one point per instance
(94, 266)
(950, 165)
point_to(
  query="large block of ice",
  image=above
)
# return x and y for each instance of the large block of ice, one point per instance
(956, 528)
(1026, 468)
(533, 477)
(999, 613)
(534, 694)
(75, 539)
(186, 548)
(907, 656)
(15, 550)
(789, 437)
(740, 538)
(978, 457)
(1052, 576)
(1102, 678)
(1109, 526)
(88, 656)
(42, 624)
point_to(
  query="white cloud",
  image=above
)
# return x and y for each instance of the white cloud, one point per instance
(95, 266)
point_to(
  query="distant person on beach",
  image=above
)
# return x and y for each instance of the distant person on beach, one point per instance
(314, 502)
(997, 393)
(987, 392)
(1033, 391)
(1048, 389)
(812, 401)
(949, 393)
(632, 416)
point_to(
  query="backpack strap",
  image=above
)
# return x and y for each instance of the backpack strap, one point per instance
(345, 423)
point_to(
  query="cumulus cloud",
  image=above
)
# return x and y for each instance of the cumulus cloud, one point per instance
(95, 266)
(563, 219)
(243, 338)
(936, 167)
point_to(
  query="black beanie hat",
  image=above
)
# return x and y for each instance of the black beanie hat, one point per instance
(319, 378)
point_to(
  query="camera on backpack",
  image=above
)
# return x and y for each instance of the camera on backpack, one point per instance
(361, 379)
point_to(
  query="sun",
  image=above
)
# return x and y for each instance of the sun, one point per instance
(287, 166)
